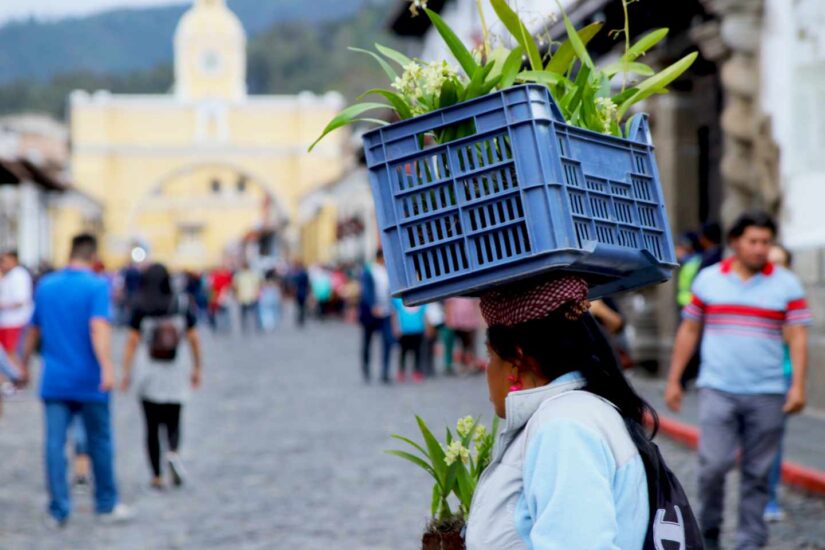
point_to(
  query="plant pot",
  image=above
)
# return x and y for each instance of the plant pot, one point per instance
(523, 194)
(443, 541)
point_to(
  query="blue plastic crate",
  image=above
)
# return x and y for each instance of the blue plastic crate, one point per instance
(525, 194)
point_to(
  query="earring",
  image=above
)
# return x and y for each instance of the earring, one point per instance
(515, 382)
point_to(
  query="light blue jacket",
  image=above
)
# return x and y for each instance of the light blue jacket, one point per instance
(565, 475)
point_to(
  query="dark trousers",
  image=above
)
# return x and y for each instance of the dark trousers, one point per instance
(249, 311)
(729, 422)
(157, 415)
(410, 343)
(383, 326)
(301, 311)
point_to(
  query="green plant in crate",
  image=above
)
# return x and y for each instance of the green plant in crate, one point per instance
(585, 93)
(454, 464)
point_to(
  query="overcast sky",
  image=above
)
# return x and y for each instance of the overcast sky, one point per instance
(16, 9)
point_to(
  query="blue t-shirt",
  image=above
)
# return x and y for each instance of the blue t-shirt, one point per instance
(65, 304)
(411, 320)
(742, 344)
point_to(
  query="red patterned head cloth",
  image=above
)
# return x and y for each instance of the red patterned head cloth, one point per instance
(520, 303)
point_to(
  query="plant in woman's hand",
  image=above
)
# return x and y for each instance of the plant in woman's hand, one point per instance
(454, 464)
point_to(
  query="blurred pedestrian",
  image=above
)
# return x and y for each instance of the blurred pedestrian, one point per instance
(321, 283)
(270, 303)
(434, 315)
(689, 257)
(247, 284)
(163, 375)
(300, 288)
(744, 304)
(710, 239)
(778, 255)
(374, 315)
(220, 286)
(463, 318)
(72, 322)
(408, 326)
(15, 302)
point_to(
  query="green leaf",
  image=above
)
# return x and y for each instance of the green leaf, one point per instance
(384, 65)
(410, 442)
(629, 67)
(542, 77)
(436, 500)
(394, 55)
(436, 453)
(348, 116)
(561, 61)
(398, 103)
(456, 46)
(449, 94)
(575, 40)
(497, 57)
(476, 86)
(464, 488)
(659, 81)
(511, 68)
(514, 25)
(619, 98)
(414, 459)
(644, 44)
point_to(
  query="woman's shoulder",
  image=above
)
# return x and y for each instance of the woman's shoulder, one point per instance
(593, 415)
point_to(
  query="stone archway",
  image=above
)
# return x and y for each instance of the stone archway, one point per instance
(189, 216)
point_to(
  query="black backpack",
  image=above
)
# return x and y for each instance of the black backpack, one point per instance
(165, 337)
(672, 523)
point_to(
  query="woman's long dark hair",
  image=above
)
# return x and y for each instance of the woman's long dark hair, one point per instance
(560, 345)
(155, 296)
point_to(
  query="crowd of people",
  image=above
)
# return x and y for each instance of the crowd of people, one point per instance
(742, 339)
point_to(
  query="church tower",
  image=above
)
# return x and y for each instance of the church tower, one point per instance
(210, 53)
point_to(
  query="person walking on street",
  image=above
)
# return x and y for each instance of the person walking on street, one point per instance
(72, 322)
(778, 255)
(220, 284)
(463, 318)
(269, 305)
(300, 287)
(164, 375)
(248, 290)
(744, 304)
(15, 303)
(374, 315)
(409, 324)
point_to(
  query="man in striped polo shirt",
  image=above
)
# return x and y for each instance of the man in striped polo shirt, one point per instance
(745, 309)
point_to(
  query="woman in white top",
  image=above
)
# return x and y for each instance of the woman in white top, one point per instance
(164, 375)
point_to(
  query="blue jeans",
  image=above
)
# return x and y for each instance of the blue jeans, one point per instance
(5, 367)
(97, 422)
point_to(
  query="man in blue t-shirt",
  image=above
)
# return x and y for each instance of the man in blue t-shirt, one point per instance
(744, 308)
(72, 322)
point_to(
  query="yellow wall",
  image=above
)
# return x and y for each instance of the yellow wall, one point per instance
(149, 161)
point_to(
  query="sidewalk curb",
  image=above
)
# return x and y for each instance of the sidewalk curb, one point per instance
(793, 474)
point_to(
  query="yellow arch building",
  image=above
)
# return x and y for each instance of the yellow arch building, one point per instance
(188, 173)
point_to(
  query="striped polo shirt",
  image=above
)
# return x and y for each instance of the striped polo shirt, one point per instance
(742, 343)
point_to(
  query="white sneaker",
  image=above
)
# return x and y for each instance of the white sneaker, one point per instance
(119, 514)
(54, 524)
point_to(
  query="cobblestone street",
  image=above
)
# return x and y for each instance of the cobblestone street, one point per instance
(284, 449)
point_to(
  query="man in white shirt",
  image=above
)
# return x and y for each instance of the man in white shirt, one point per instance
(15, 301)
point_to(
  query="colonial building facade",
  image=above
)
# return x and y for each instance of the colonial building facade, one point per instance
(186, 174)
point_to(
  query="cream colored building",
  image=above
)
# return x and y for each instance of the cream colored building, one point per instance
(187, 174)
